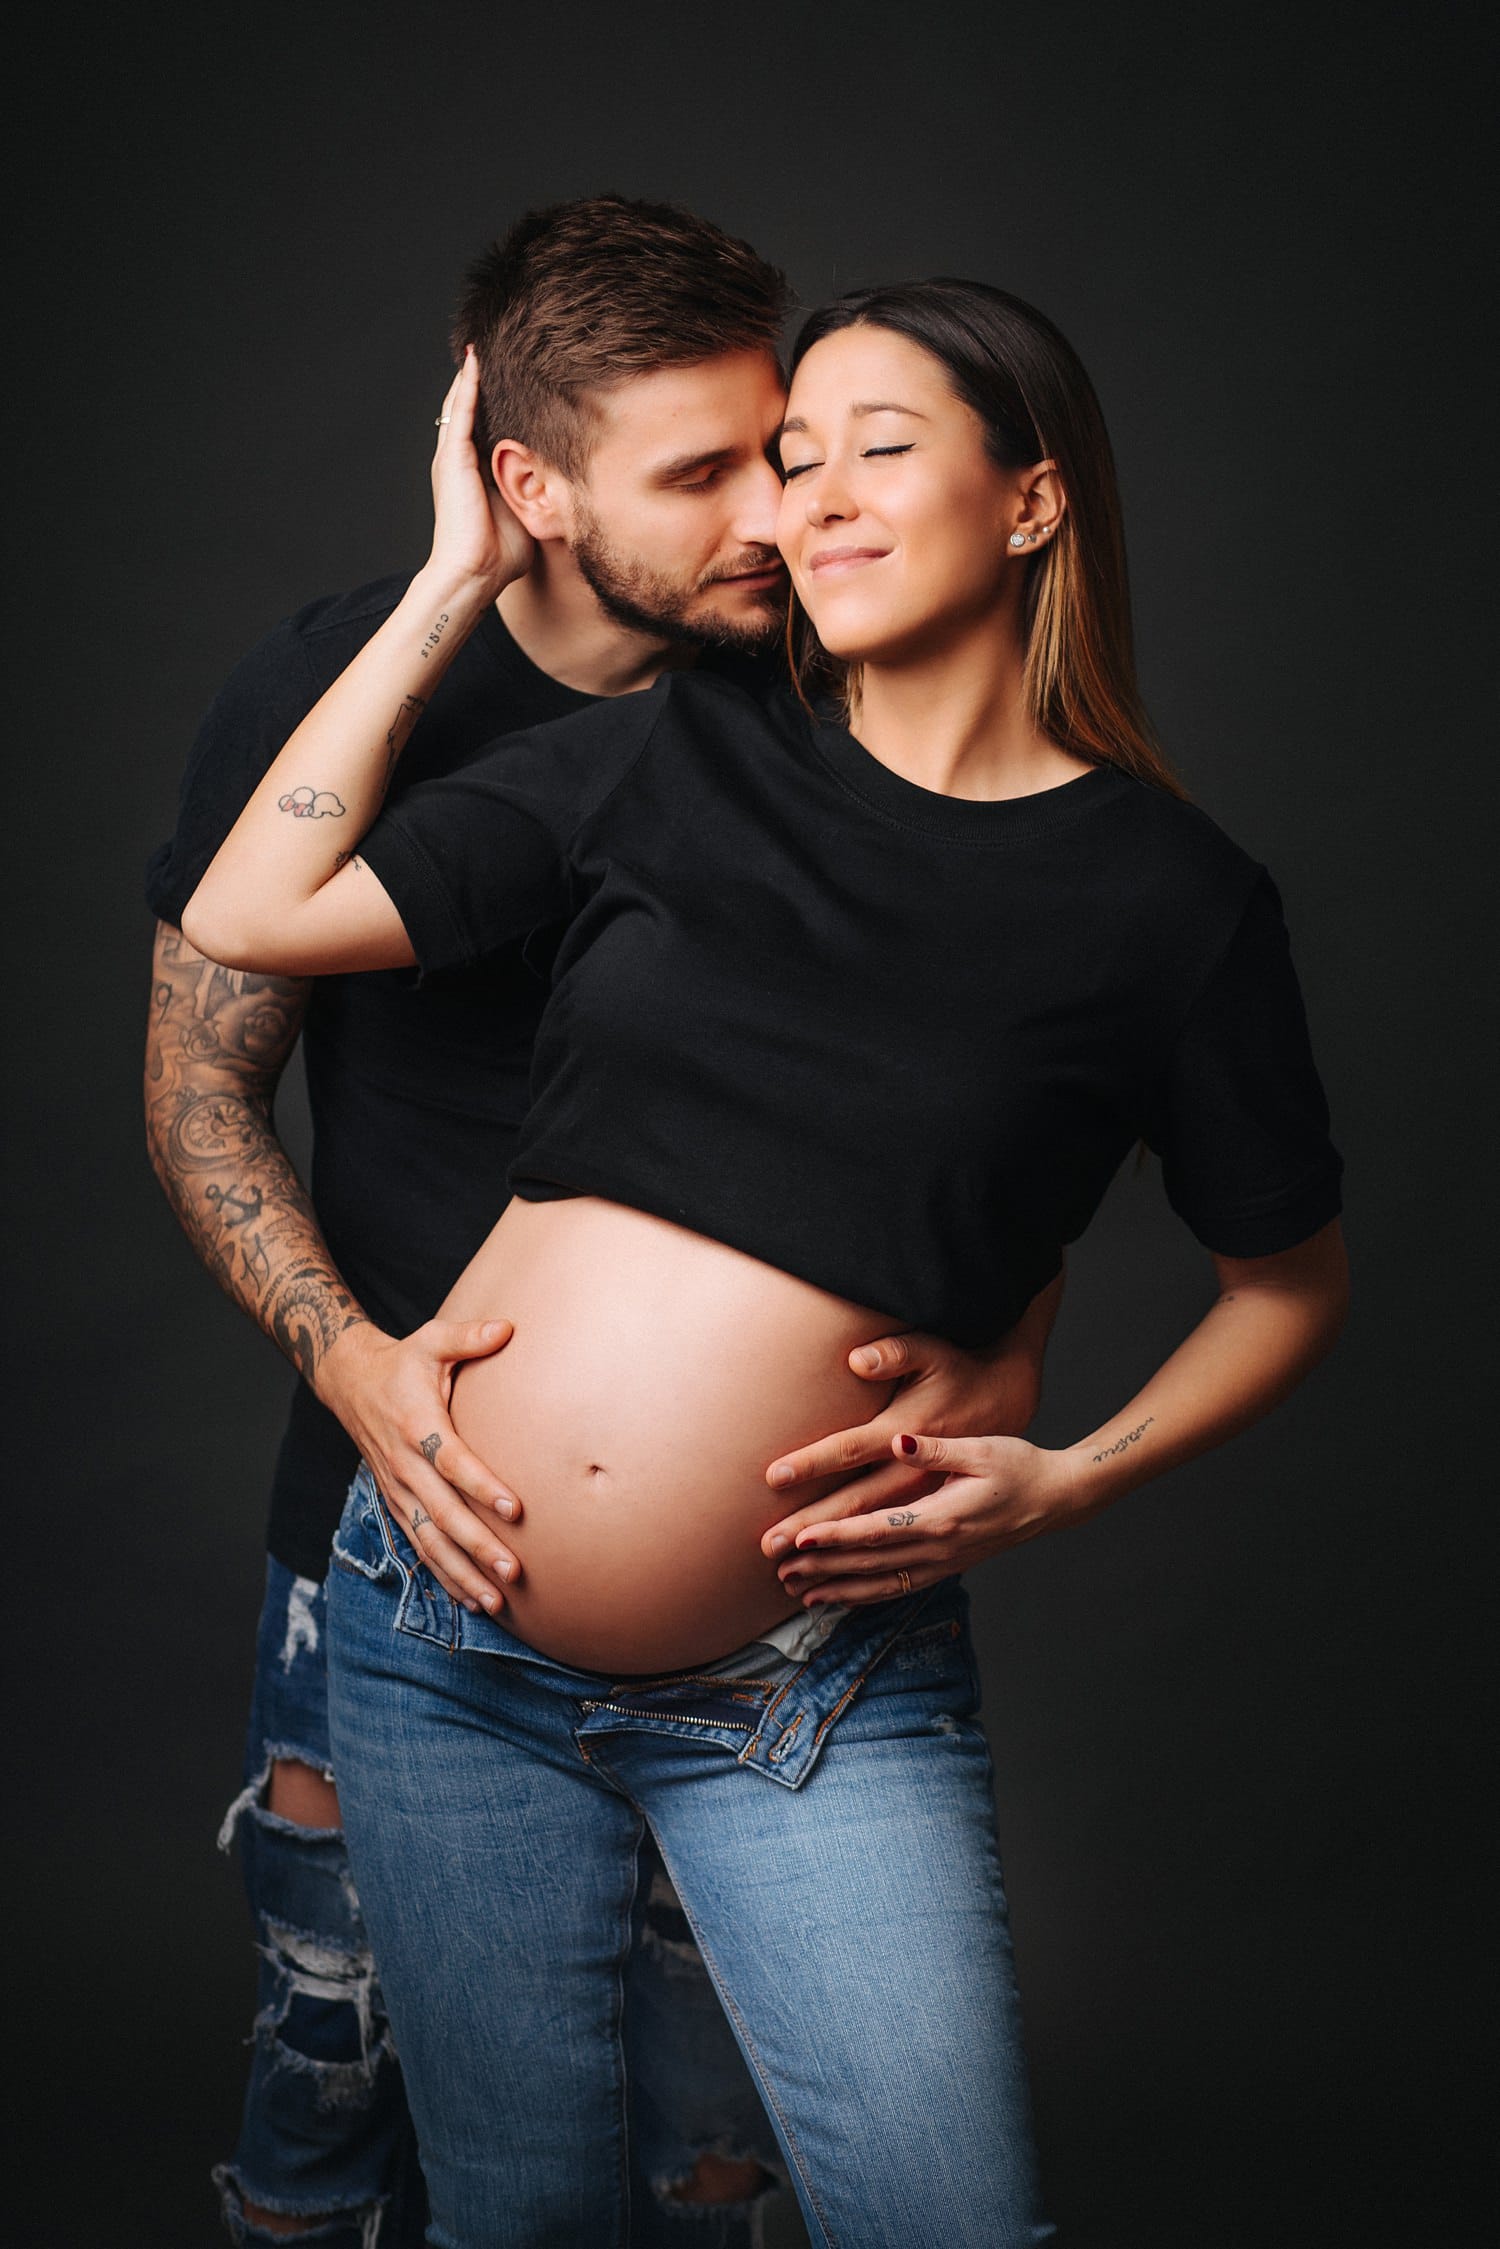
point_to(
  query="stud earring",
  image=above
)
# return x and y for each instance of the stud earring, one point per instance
(1018, 538)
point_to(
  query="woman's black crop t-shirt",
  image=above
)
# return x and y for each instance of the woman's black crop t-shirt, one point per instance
(893, 1042)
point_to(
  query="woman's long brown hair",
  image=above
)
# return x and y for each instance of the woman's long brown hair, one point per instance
(1029, 388)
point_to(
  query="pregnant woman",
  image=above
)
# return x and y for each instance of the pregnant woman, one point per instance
(857, 1013)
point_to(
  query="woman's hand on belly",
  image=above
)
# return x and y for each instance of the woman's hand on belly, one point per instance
(984, 1494)
(941, 1390)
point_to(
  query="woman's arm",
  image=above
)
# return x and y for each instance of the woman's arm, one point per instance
(286, 893)
(1272, 1321)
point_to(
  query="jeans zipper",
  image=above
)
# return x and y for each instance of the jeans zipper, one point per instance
(678, 1717)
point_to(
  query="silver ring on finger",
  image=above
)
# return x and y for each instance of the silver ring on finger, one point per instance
(442, 421)
(905, 1580)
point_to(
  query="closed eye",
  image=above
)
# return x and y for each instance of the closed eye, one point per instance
(869, 453)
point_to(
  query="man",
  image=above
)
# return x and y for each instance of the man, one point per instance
(631, 391)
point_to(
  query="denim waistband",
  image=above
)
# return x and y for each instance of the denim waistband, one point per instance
(775, 1724)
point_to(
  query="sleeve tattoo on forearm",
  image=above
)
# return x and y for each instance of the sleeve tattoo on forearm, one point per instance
(217, 1042)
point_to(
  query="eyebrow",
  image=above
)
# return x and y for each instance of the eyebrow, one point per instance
(866, 406)
(686, 461)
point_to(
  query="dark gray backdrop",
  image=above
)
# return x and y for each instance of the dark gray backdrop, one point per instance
(1232, 1719)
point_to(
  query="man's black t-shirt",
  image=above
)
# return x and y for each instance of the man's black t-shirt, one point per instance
(416, 1093)
(891, 1041)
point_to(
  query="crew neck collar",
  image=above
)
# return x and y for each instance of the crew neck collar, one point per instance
(504, 648)
(986, 820)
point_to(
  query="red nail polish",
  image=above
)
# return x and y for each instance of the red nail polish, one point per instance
(910, 1447)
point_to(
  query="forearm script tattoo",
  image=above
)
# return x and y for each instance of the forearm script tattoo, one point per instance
(1123, 1444)
(217, 1042)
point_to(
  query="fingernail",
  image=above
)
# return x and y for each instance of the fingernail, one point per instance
(491, 1604)
(867, 1361)
(806, 1538)
(780, 1474)
(777, 1544)
(503, 1568)
(473, 1607)
(505, 1507)
(910, 1447)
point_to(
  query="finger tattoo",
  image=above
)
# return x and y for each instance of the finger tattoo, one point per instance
(418, 1517)
(904, 1520)
(430, 1447)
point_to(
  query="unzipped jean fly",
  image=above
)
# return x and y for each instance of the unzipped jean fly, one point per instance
(829, 1829)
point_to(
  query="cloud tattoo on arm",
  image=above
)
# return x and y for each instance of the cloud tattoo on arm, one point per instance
(311, 804)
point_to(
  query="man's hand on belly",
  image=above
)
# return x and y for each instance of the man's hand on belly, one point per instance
(942, 1391)
(392, 1395)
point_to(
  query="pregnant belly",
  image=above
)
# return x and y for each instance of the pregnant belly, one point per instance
(652, 1377)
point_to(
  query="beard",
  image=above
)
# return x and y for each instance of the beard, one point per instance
(652, 601)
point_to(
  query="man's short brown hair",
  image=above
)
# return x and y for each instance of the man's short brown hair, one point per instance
(583, 295)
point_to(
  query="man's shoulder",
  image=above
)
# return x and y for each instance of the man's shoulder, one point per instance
(332, 629)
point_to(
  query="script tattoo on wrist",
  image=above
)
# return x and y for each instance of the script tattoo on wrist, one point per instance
(1124, 1443)
(436, 634)
(430, 1447)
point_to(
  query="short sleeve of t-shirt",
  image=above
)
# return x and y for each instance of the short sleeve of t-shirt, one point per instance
(481, 856)
(262, 703)
(1241, 1121)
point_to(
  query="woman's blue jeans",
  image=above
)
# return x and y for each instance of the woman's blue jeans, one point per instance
(830, 1832)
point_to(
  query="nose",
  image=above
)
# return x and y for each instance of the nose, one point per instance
(828, 500)
(759, 500)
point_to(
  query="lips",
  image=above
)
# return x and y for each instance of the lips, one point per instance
(844, 558)
(765, 576)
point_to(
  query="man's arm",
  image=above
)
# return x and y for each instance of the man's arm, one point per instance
(217, 1042)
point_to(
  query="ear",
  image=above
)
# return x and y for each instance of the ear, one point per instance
(539, 496)
(1041, 504)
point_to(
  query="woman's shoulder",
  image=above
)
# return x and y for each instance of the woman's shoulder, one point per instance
(1179, 860)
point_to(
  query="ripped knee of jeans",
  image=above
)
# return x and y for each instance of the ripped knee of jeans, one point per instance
(331, 2226)
(291, 1788)
(720, 2178)
(324, 2018)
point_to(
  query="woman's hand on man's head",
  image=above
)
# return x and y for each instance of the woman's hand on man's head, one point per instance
(476, 539)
